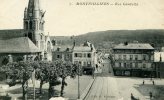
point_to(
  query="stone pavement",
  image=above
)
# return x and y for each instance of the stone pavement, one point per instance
(104, 88)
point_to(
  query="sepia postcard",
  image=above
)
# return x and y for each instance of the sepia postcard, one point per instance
(81, 50)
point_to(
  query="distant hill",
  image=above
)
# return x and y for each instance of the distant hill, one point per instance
(62, 40)
(152, 36)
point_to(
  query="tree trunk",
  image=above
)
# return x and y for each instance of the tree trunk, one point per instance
(62, 86)
(50, 90)
(41, 84)
(25, 86)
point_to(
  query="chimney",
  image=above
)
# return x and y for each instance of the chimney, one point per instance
(125, 43)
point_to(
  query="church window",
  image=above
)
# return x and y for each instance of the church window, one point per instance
(48, 47)
(30, 35)
(30, 24)
(36, 25)
(26, 25)
(40, 26)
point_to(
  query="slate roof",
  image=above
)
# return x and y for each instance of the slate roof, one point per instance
(14, 33)
(18, 45)
(82, 49)
(62, 48)
(134, 46)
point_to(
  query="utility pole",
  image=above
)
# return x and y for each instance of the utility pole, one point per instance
(78, 82)
(33, 81)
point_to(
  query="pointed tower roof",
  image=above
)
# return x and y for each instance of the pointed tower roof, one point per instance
(33, 5)
(36, 5)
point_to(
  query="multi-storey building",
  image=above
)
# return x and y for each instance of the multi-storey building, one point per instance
(159, 64)
(134, 59)
(86, 56)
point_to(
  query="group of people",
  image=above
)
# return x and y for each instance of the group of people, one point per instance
(150, 93)
(152, 82)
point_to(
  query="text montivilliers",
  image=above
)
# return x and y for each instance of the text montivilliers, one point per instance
(92, 3)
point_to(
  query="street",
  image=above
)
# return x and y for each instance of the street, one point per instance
(109, 87)
(104, 88)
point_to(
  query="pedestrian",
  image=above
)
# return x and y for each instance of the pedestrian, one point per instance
(96, 67)
(143, 82)
(151, 95)
(153, 82)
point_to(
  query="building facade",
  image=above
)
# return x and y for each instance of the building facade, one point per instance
(86, 56)
(34, 28)
(134, 59)
(62, 53)
(159, 64)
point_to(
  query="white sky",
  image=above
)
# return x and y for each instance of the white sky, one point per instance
(65, 19)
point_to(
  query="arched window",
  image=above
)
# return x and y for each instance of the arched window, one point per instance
(26, 25)
(40, 26)
(30, 24)
(48, 47)
(36, 25)
(30, 35)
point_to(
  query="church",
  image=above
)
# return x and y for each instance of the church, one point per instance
(29, 43)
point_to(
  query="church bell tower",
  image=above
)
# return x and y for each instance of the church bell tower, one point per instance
(34, 23)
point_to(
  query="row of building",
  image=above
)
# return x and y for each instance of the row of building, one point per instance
(137, 59)
(85, 55)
